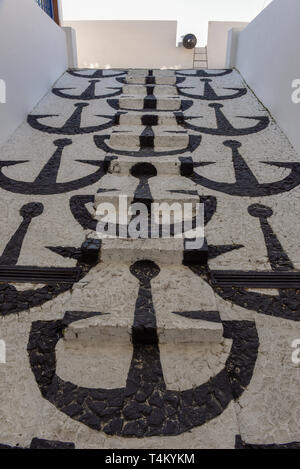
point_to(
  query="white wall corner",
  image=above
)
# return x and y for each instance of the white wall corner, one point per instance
(268, 59)
(71, 46)
(232, 47)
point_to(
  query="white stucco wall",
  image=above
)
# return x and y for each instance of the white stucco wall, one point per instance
(32, 56)
(217, 41)
(268, 56)
(232, 46)
(129, 44)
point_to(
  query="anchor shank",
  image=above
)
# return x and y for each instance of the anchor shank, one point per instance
(13, 248)
(209, 93)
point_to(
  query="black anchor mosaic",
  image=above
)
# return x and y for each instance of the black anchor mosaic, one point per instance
(149, 80)
(152, 102)
(144, 407)
(97, 74)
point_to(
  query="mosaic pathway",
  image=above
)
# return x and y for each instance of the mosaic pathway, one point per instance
(148, 343)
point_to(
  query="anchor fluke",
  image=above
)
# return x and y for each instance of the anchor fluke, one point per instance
(224, 127)
(13, 248)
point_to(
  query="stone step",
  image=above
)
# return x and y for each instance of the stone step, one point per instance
(156, 138)
(161, 103)
(156, 90)
(195, 319)
(151, 80)
(165, 119)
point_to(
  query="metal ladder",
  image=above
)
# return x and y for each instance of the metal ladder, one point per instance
(200, 58)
